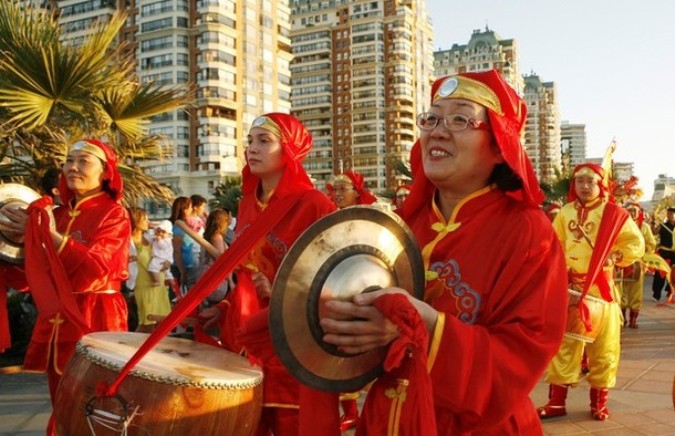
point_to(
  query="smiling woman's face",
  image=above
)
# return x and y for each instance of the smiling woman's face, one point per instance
(459, 161)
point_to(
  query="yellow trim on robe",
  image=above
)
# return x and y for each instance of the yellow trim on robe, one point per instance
(74, 212)
(397, 396)
(62, 245)
(281, 406)
(436, 340)
(443, 228)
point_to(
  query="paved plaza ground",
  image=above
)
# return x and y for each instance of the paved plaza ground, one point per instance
(641, 403)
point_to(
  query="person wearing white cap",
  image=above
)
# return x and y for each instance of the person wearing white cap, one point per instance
(162, 251)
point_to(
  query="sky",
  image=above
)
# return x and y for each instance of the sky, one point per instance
(612, 62)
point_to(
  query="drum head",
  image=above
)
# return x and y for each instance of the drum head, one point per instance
(13, 195)
(351, 251)
(173, 360)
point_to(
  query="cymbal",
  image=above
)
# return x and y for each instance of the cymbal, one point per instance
(354, 250)
(13, 195)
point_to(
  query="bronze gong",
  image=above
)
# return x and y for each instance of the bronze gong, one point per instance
(351, 251)
(13, 195)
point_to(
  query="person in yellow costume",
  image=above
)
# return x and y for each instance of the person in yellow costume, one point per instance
(630, 281)
(578, 227)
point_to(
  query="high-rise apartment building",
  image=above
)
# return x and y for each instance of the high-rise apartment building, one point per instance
(542, 128)
(237, 55)
(76, 17)
(572, 144)
(361, 73)
(485, 50)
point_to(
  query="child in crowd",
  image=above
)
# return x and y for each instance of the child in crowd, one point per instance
(162, 251)
(197, 219)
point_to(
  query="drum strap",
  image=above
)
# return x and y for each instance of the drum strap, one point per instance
(613, 218)
(221, 268)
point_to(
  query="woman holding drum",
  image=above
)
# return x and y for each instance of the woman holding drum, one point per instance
(75, 260)
(495, 272)
(588, 224)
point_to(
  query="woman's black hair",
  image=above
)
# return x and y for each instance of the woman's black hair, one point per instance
(505, 179)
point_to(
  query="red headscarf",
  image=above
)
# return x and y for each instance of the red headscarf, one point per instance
(111, 175)
(356, 180)
(507, 113)
(400, 189)
(296, 142)
(592, 170)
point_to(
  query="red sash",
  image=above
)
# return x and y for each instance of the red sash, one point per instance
(613, 218)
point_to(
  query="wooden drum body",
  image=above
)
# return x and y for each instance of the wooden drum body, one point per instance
(575, 328)
(179, 387)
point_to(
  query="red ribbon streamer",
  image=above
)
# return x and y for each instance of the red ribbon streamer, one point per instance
(220, 269)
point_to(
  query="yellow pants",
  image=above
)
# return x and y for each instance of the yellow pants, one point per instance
(603, 355)
(632, 291)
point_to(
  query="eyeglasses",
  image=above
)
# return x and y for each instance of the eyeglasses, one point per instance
(343, 189)
(453, 122)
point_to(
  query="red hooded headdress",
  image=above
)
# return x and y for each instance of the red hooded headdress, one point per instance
(592, 170)
(296, 143)
(112, 179)
(507, 113)
(356, 180)
(401, 190)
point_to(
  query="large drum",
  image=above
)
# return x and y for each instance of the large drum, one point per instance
(179, 387)
(575, 327)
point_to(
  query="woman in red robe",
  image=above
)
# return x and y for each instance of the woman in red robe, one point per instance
(277, 145)
(349, 189)
(75, 264)
(495, 295)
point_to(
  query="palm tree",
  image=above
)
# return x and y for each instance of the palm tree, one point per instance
(52, 93)
(227, 195)
(556, 191)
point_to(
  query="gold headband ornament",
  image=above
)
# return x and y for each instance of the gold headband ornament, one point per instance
(587, 172)
(89, 148)
(468, 89)
(341, 178)
(267, 124)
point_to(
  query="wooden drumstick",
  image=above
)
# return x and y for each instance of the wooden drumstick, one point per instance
(156, 318)
(159, 318)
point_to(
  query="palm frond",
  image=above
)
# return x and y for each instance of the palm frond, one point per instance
(127, 108)
(52, 94)
(24, 25)
(60, 75)
(148, 148)
(138, 186)
(403, 169)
